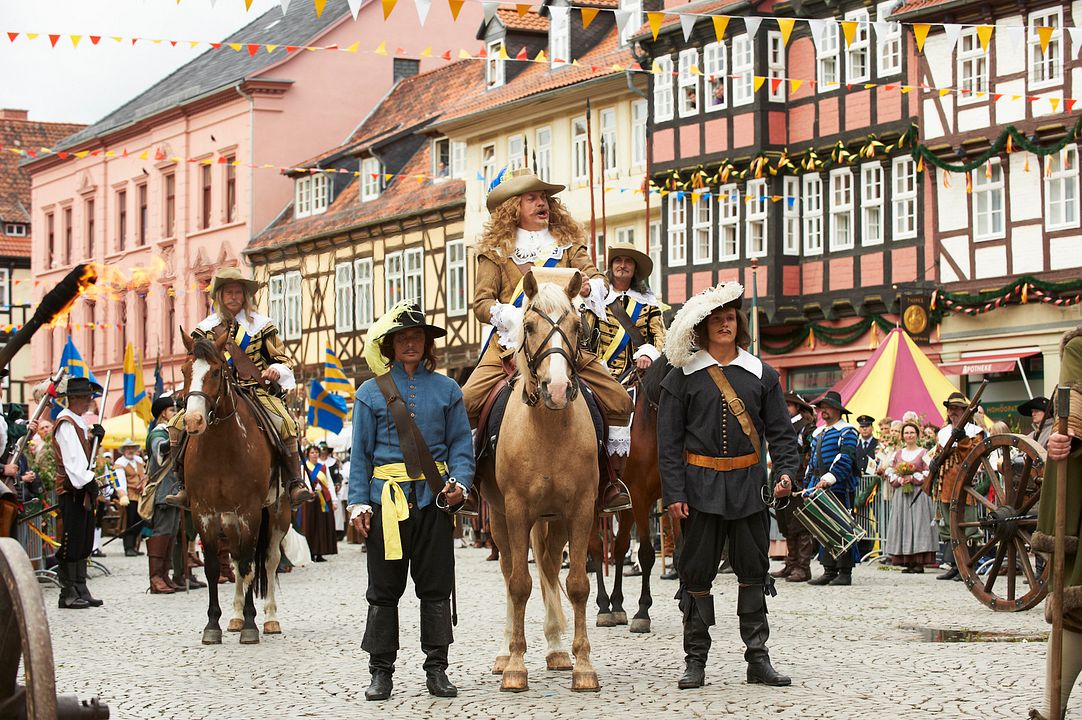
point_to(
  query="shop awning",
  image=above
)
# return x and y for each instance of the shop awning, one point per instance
(993, 362)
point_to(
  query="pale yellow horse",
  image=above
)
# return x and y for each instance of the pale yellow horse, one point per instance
(546, 481)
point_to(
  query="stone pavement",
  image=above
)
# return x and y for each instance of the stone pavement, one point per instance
(853, 653)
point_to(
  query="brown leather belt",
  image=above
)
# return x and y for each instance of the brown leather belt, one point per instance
(721, 464)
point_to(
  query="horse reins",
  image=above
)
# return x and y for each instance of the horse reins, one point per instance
(225, 389)
(534, 361)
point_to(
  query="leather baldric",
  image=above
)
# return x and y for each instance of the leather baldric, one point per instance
(415, 451)
(736, 407)
(620, 313)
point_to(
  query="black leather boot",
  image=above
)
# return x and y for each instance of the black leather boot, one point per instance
(80, 584)
(380, 641)
(69, 596)
(698, 617)
(436, 636)
(828, 576)
(754, 631)
(297, 488)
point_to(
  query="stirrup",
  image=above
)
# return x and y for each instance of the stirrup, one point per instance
(180, 499)
(303, 496)
(612, 503)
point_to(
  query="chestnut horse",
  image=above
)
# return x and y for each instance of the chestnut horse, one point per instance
(643, 481)
(231, 475)
(545, 480)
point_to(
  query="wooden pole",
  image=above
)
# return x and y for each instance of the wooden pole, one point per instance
(1055, 641)
(590, 170)
(604, 220)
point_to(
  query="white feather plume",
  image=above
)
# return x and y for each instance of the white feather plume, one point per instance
(680, 341)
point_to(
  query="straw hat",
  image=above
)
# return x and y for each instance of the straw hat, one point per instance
(229, 275)
(512, 184)
(643, 264)
(129, 443)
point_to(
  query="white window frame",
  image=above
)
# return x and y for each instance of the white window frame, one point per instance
(560, 38)
(972, 68)
(791, 219)
(664, 102)
(457, 288)
(872, 196)
(743, 75)
(343, 297)
(609, 163)
(992, 194)
(437, 153)
(678, 229)
(626, 235)
(1061, 178)
(655, 256)
(276, 292)
(813, 214)
(5, 289)
(543, 152)
(516, 152)
(889, 43)
(364, 298)
(828, 72)
(716, 71)
(702, 228)
(413, 275)
(1045, 70)
(494, 65)
(755, 218)
(580, 157)
(321, 193)
(458, 159)
(688, 86)
(302, 197)
(488, 166)
(903, 198)
(634, 22)
(858, 57)
(728, 223)
(841, 210)
(639, 116)
(775, 66)
(393, 285)
(19, 229)
(291, 329)
(371, 186)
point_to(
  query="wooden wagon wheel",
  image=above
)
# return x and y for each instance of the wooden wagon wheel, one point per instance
(1000, 568)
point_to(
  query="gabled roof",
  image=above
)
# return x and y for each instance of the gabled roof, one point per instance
(218, 69)
(15, 181)
(532, 21)
(539, 77)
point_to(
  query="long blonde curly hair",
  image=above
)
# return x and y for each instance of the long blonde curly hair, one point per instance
(501, 228)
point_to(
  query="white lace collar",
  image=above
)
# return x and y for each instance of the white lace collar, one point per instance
(531, 245)
(702, 360)
(647, 298)
(252, 323)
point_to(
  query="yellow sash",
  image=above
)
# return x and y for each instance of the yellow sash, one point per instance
(395, 507)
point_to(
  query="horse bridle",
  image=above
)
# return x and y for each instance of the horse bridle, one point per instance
(533, 361)
(225, 389)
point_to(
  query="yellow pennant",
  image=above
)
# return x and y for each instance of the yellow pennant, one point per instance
(236, 46)
(75, 40)
(945, 91)
(503, 52)
(247, 4)
(720, 23)
(905, 89)
(794, 85)
(388, 7)
(541, 57)
(920, 33)
(655, 19)
(1055, 103)
(320, 4)
(427, 52)
(786, 27)
(695, 70)
(456, 7)
(849, 29)
(31, 36)
(984, 34)
(1045, 34)
(588, 15)
(463, 55)
(354, 47)
(757, 82)
(382, 49)
(271, 48)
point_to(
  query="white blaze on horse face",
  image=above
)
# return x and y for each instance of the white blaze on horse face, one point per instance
(558, 380)
(195, 410)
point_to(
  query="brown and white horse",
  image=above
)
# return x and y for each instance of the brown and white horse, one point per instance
(229, 470)
(545, 481)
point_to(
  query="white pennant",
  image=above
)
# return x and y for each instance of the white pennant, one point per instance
(622, 16)
(354, 7)
(882, 29)
(951, 31)
(687, 24)
(752, 24)
(490, 11)
(423, 6)
(1076, 39)
(1016, 34)
(817, 27)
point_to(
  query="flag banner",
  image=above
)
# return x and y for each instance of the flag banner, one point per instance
(334, 376)
(325, 410)
(135, 390)
(73, 361)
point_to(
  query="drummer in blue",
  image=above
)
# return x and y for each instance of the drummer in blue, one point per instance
(832, 467)
(717, 405)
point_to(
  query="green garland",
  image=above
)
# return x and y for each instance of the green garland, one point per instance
(827, 334)
(998, 146)
(1018, 290)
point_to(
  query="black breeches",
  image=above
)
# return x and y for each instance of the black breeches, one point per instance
(704, 536)
(166, 520)
(77, 540)
(427, 556)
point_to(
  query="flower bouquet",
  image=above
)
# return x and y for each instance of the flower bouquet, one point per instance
(905, 469)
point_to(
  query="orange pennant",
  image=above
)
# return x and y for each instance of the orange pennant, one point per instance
(456, 8)
(388, 7)
(655, 19)
(849, 29)
(786, 27)
(522, 9)
(920, 33)
(320, 4)
(1045, 34)
(984, 35)
(720, 23)
(588, 15)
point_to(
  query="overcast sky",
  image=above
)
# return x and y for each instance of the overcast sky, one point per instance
(83, 84)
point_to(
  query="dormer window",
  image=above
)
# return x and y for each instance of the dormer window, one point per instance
(559, 35)
(494, 65)
(371, 179)
(635, 20)
(311, 196)
(15, 229)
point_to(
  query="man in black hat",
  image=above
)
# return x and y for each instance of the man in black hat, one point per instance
(77, 491)
(1036, 409)
(800, 546)
(867, 444)
(832, 468)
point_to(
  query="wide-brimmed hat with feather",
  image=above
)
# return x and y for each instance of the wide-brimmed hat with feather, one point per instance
(402, 316)
(680, 343)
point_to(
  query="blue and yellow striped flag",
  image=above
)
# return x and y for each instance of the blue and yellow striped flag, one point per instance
(334, 377)
(325, 409)
(73, 361)
(135, 390)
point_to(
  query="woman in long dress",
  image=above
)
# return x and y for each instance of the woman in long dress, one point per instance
(317, 516)
(911, 541)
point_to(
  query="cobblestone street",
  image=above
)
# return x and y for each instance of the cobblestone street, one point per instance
(853, 653)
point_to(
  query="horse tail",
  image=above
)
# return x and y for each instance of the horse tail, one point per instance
(262, 580)
(549, 558)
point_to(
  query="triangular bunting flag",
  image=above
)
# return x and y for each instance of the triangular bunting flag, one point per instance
(427, 52)
(354, 7)
(1068, 104)
(622, 16)
(503, 52)
(252, 49)
(423, 6)
(984, 35)
(388, 7)
(456, 8)
(270, 48)
(489, 9)
(849, 30)
(382, 49)
(720, 23)
(54, 38)
(882, 29)
(655, 19)
(320, 4)
(775, 83)
(1044, 32)
(446, 56)
(352, 48)
(757, 82)
(786, 27)
(12, 36)
(522, 54)
(1076, 39)
(588, 15)
(75, 40)
(920, 34)
(752, 24)
(283, 3)
(817, 27)
(522, 9)
(1016, 35)
(687, 24)
(794, 85)
(463, 54)
(541, 57)
(951, 31)
(1054, 102)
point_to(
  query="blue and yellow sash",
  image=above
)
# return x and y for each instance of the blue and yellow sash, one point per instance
(519, 295)
(621, 339)
(242, 339)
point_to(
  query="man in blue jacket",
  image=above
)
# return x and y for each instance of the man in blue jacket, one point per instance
(410, 534)
(832, 467)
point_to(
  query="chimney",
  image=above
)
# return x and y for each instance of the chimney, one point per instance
(9, 114)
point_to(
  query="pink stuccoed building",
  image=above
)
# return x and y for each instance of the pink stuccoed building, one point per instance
(172, 185)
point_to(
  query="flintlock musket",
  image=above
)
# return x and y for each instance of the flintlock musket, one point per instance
(956, 435)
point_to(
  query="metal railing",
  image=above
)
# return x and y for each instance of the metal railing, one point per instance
(874, 516)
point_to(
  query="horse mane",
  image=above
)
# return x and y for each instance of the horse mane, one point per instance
(651, 379)
(203, 349)
(550, 298)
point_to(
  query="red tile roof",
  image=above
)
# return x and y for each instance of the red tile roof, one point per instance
(15, 181)
(530, 22)
(912, 8)
(539, 77)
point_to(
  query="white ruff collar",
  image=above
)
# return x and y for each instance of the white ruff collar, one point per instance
(252, 324)
(531, 245)
(702, 360)
(646, 299)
